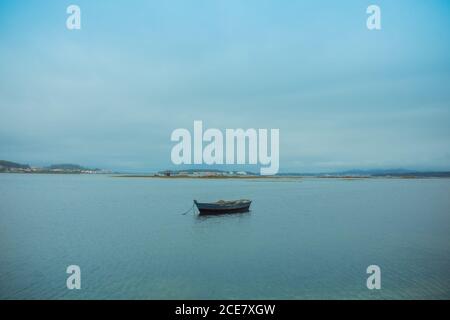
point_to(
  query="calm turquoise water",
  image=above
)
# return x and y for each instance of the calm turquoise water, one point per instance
(312, 238)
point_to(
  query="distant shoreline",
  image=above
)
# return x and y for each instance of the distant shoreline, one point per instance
(299, 177)
(68, 168)
(234, 177)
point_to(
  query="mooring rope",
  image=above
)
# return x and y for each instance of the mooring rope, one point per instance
(190, 209)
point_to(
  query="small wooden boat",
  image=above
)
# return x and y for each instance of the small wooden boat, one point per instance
(222, 207)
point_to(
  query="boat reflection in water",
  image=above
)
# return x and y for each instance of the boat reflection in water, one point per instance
(223, 207)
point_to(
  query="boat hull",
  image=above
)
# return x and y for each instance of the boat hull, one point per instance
(213, 208)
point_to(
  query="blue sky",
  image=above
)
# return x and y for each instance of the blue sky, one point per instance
(110, 94)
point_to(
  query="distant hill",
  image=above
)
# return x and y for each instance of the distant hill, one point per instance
(68, 166)
(374, 173)
(382, 172)
(10, 164)
(396, 173)
(14, 167)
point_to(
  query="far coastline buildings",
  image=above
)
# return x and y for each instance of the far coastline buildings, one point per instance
(201, 173)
